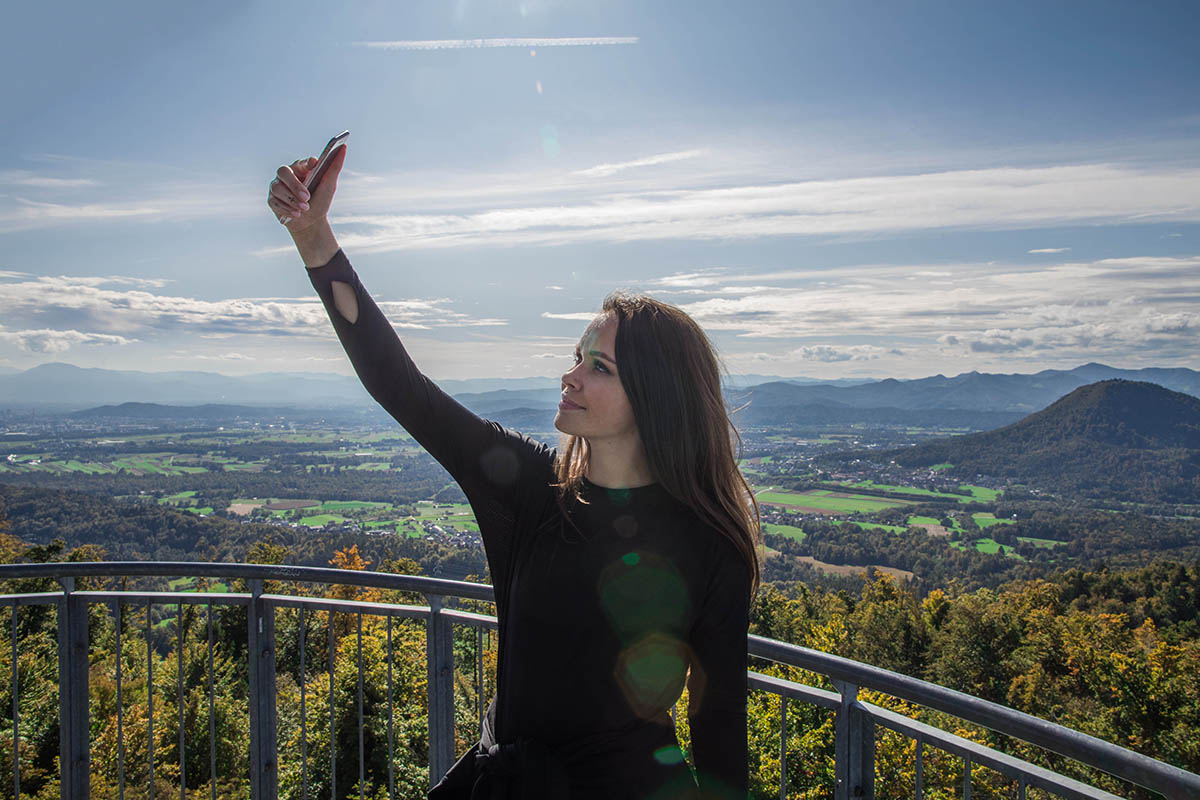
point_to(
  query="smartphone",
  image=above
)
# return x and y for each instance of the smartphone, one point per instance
(318, 172)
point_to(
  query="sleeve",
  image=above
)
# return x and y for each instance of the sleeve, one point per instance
(488, 461)
(717, 683)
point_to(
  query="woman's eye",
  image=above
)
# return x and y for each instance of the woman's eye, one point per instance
(600, 367)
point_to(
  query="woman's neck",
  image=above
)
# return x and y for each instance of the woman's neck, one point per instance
(618, 465)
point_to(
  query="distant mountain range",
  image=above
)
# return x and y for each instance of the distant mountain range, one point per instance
(972, 399)
(1114, 439)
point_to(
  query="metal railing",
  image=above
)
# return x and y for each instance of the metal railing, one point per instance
(855, 728)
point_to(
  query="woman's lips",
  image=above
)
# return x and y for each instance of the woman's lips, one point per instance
(567, 405)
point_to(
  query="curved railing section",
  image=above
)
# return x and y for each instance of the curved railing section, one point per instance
(855, 728)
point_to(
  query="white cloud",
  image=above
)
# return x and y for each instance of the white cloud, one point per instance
(220, 357)
(26, 178)
(604, 170)
(970, 199)
(581, 316)
(58, 341)
(1041, 250)
(32, 213)
(475, 44)
(85, 302)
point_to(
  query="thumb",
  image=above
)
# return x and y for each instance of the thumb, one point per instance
(329, 180)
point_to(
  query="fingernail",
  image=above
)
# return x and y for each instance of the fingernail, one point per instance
(305, 196)
(304, 206)
(295, 213)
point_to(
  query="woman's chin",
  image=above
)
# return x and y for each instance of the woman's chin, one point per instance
(562, 422)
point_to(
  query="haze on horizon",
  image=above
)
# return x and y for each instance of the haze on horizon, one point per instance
(833, 189)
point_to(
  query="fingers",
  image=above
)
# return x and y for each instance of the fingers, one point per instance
(286, 195)
(288, 177)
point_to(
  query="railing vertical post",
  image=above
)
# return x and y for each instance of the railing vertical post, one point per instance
(264, 778)
(854, 747)
(74, 724)
(439, 656)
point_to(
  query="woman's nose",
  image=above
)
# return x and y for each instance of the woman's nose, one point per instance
(571, 377)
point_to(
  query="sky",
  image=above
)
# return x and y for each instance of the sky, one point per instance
(834, 189)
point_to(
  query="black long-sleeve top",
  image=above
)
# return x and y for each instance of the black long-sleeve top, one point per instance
(604, 604)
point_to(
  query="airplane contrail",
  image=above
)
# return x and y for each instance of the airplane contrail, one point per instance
(470, 44)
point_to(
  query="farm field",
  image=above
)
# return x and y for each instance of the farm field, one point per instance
(825, 501)
(790, 531)
(978, 493)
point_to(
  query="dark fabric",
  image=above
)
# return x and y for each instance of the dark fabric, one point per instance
(605, 610)
(522, 770)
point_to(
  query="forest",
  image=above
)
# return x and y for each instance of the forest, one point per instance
(1112, 652)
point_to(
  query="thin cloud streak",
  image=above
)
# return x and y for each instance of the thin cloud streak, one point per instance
(477, 44)
(604, 170)
(991, 199)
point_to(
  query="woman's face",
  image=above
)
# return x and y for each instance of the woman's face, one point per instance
(594, 405)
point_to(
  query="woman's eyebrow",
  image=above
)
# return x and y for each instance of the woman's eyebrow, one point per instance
(603, 355)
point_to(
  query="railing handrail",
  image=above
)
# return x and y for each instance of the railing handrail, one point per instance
(1106, 756)
(1113, 759)
(266, 572)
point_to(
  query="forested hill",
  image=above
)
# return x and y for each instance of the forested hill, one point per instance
(1113, 439)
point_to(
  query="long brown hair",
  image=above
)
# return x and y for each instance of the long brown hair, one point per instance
(670, 372)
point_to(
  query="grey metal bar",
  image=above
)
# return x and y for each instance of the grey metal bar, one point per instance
(966, 778)
(150, 697)
(179, 683)
(173, 598)
(303, 706)
(439, 656)
(782, 747)
(920, 770)
(33, 598)
(119, 610)
(15, 710)
(795, 691)
(1134, 767)
(346, 606)
(1021, 787)
(854, 746)
(74, 726)
(391, 717)
(362, 773)
(332, 737)
(1003, 763)
(199, 569)
(212, 727)
(479, 680)
(264, 778)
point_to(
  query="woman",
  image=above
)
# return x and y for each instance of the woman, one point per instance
(623, 564)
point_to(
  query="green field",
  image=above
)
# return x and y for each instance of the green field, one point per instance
(321, 520)
(826, 500)
(866, 526)
(986, 520)
(353, 505)
(1036, 542)
(924, 521)
(989, 547)
(789, 531)
(982, 493)
(978, 493)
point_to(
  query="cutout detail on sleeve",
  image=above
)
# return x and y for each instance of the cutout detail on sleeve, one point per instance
(345, 301)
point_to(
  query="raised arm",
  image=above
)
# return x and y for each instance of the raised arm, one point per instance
(488, 461)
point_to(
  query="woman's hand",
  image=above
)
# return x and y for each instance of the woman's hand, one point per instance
(291, 202)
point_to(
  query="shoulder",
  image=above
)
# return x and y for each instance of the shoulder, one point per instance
(513, 458)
